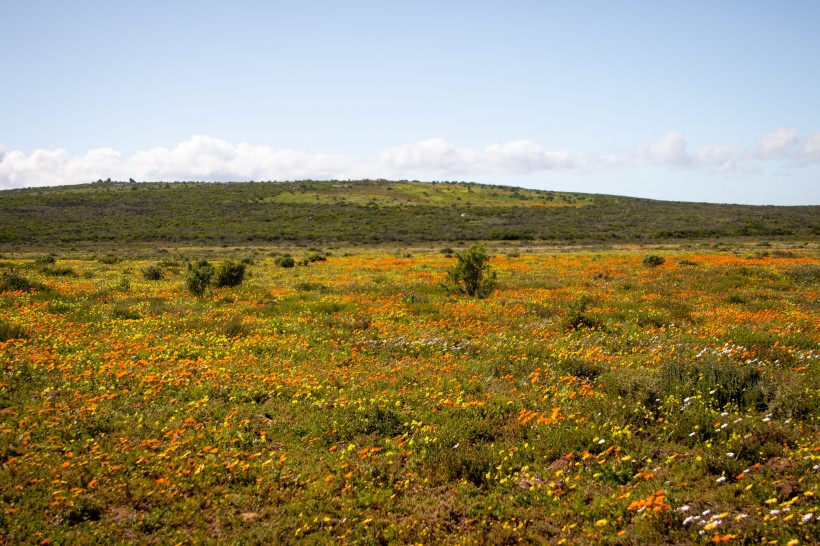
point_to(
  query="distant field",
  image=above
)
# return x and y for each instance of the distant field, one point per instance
(368, 213)
(594, 398)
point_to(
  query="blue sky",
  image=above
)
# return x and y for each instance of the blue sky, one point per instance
(691, 101)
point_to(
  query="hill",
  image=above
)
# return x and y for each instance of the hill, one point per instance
(366, 212)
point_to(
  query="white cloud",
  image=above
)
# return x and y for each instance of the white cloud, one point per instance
(200, 158)
(517, 157)
(669, 151)
(434, 155)
(810, 150)
(721, 158)
(211, 159)
(53, 167)
(778, 144)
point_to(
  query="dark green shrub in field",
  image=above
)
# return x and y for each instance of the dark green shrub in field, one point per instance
(472, 273)
(48, 259)
(286, 260)
(314, 257)
(109, 259)
(199, 276)
(152, 273)
(229, 273)
(59, 271)
(12, 282)
(653, 260)
(12, 331)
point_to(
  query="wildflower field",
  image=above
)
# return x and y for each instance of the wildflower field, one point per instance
(591, 398)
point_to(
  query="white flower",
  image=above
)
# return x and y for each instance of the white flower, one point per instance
(601, 442)
(807, 517)
(721, 479)
(730, 455)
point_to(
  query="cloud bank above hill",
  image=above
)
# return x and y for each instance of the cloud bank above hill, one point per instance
(205, 158)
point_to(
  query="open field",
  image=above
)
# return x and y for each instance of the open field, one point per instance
(591, 399)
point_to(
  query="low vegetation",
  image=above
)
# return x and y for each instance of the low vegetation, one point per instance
(368, 212)
(585, 399)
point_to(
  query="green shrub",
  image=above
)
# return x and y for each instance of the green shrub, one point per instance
(315, 257)
(307, 286)
(12, 331)
(198, 277)
(152, 273)
(285, 260)
(229, 273)
(12, 282)
(653, 260)
(43, 261)
(577, 317)
(109, 259)
(472, 273)
(59, 271)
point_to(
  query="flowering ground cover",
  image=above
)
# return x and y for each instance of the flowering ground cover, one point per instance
(592, 398)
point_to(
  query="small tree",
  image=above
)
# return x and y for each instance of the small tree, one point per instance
(199, 276)
(472, 273)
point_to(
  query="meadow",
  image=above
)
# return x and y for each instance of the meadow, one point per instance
(595, 397)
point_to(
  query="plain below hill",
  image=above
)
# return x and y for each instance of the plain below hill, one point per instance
(371, 211)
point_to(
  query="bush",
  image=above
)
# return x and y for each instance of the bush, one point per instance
(152, 273)
(12, 331)
(472, 274)
(653, 260)
(59, 271)
(199, 277)
(109, 259)
(229, 273)
(315, 257)
(12, 282)
(285, 261)
(48, 259)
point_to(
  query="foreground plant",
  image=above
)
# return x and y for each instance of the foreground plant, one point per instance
(472, 273)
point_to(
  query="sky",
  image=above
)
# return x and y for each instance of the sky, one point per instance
(698, 101)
